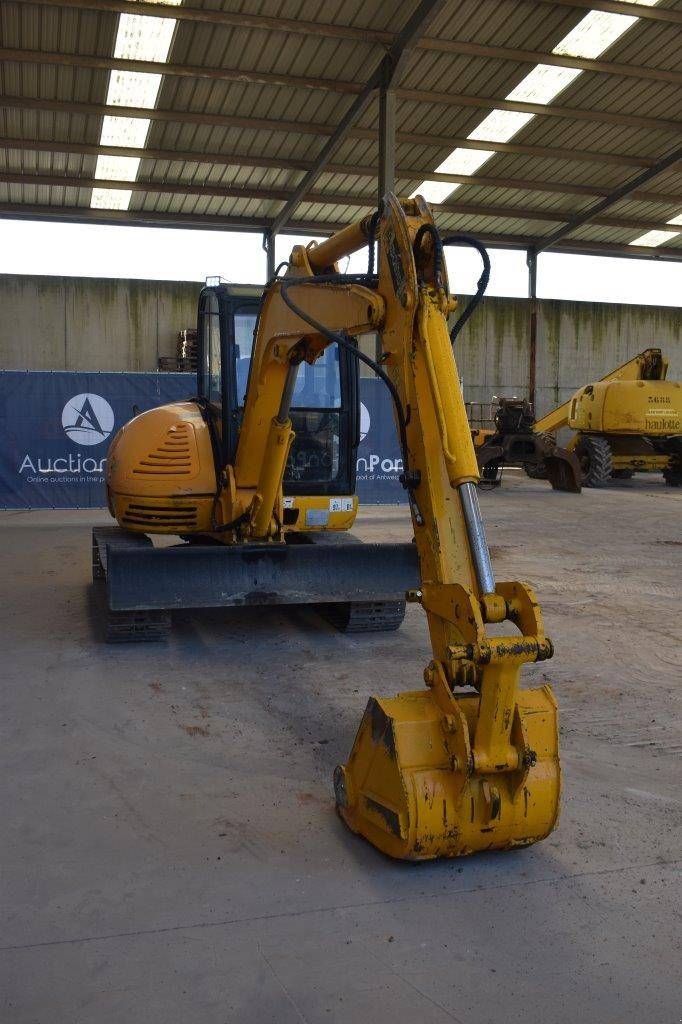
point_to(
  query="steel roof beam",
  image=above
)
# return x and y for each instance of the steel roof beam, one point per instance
(408, 174)
(614, 7)
(591, 216)
(541, 110)
(258, 21)
(276, 163)
(21, 211)
(321, 198)
(312, 128)
(101, 63)
(519, 56)
(454, 46)
(544, 152)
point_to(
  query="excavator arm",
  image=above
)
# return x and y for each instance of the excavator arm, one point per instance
(470, 762)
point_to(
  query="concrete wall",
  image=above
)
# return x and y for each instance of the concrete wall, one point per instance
(62, 323)
(53, 323)
(577, 342)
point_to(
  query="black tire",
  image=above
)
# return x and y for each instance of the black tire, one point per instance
(672, 474)
(490, 471)
(622, 474)
(594, 454)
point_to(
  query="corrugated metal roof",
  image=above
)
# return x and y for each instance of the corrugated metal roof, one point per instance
(225, 150)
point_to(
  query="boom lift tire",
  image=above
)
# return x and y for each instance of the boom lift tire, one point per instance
(673, 473)
(594, 454)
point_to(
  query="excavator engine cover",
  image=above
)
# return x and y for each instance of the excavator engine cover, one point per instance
(408, 785)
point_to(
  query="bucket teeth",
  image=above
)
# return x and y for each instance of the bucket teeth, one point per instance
(407, 788)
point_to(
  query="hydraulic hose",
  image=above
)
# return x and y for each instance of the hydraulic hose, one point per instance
(482, 281)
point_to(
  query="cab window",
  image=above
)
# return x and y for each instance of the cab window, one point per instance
(244, 326)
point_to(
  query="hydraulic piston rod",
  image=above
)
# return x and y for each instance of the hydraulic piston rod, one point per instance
(478, 544)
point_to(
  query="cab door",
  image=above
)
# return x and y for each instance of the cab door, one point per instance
(210, 367)
(325, 406)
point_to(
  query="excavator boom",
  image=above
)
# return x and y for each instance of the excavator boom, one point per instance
(471, 762)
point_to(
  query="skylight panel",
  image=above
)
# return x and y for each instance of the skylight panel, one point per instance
(594, 33)
(110, 198)
(133, 89)
(654, 238)
(460, 161)
(434, 191)
(500, 126)
(543, 83)
(139, 37)
(464, 161)
(124, 131)
(117, 168)
(143, 38)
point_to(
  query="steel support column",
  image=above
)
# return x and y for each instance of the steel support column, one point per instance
(269, 238)
(532, 263)
(386, 136)
(388, 73)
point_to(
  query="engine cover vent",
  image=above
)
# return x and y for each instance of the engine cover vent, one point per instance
(174, 456)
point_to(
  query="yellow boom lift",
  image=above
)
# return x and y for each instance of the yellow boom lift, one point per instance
(470, 762)
(628, 422)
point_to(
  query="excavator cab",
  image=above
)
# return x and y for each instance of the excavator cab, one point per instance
(324, 411)
(173, 471)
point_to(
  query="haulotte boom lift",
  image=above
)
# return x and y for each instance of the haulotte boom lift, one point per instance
(628, 422)
(470, 762)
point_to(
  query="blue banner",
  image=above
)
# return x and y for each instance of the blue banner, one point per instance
(379, 459)
(56, 428)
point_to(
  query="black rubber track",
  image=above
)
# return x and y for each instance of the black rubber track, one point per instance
(364, 616)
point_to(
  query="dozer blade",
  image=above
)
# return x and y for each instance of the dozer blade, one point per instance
(141, 577)
(410, 789)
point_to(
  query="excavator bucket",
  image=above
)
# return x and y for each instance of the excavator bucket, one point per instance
(409, 788)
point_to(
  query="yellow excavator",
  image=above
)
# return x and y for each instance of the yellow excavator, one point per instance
(470, 761)
(628, 422)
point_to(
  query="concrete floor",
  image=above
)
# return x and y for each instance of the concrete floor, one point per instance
(169, 846)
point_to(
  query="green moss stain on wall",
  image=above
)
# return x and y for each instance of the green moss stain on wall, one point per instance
(91, 323)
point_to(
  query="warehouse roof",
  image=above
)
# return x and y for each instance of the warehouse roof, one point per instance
(259, 100)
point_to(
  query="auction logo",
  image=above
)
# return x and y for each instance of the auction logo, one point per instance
(88, 419)
(364, 421)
